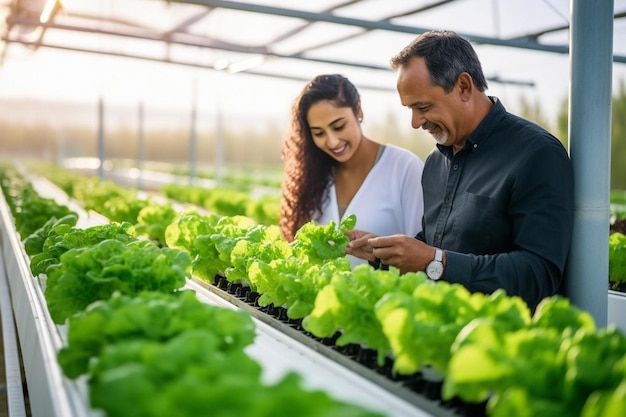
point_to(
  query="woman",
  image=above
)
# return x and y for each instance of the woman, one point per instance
(332, 169)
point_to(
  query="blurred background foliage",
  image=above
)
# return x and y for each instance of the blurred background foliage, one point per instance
(252, 146)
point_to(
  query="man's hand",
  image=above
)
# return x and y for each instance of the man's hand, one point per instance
(401, 251)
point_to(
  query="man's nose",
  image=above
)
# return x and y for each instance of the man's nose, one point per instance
(417, 120)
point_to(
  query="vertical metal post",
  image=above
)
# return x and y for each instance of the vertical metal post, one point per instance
(61, 151)
(496, 17)
(219, 144)
(101, 155)
(591, 60)
(192, 136)
(140, 145)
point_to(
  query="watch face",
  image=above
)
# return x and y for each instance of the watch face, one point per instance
(434, 270)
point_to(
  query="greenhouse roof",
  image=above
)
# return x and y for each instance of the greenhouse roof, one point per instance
(280, 38)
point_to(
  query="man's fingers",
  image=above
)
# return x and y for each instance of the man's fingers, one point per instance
(386, 241)
(380, 242)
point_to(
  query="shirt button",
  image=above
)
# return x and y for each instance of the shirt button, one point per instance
(455, 167)
(447, 199)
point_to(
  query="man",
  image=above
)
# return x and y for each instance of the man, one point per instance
(498, 189)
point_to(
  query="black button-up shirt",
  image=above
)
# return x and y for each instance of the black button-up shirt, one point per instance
(502, 208)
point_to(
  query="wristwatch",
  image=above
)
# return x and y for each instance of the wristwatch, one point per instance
(434, 270)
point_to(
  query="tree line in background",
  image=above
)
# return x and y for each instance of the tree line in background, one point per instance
(533, 111)
(257, 147)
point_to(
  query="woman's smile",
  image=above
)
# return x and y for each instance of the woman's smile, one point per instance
(339, 150)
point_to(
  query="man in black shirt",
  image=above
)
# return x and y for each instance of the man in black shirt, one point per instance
(498, 189)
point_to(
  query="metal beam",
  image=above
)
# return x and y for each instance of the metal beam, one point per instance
(540, 33)
(300, 28)
(495, 79)
(386, 19)
(183, 26)
(204, 43)
(183, 63)
(380, 25)
(349, 3)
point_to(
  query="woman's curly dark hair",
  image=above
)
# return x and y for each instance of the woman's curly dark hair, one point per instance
(309, 170)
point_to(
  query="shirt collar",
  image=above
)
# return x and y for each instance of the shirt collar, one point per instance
(482, 131)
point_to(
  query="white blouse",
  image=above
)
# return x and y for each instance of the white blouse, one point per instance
(388, 202)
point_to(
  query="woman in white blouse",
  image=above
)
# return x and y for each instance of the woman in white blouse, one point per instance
(333, 170)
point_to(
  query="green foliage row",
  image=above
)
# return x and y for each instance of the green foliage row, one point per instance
(29, 210)
(122, 204)
(618, 205)
(617, 258)
(227, 201)
(487, 347)
(242, 180)
(147, 347)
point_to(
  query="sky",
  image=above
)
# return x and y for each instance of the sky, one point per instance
(53, 75)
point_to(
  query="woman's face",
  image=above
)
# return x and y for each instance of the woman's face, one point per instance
(335, 130)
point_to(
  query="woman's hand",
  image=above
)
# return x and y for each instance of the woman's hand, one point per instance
(359, 245)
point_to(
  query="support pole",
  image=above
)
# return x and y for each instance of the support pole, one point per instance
(101, 155)
(219, 145)
(590, 150)
(140, 145)
(192, 135)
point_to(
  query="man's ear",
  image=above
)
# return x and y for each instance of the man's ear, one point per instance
(465, 85)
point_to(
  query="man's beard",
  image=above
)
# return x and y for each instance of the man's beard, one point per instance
(441, 136)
